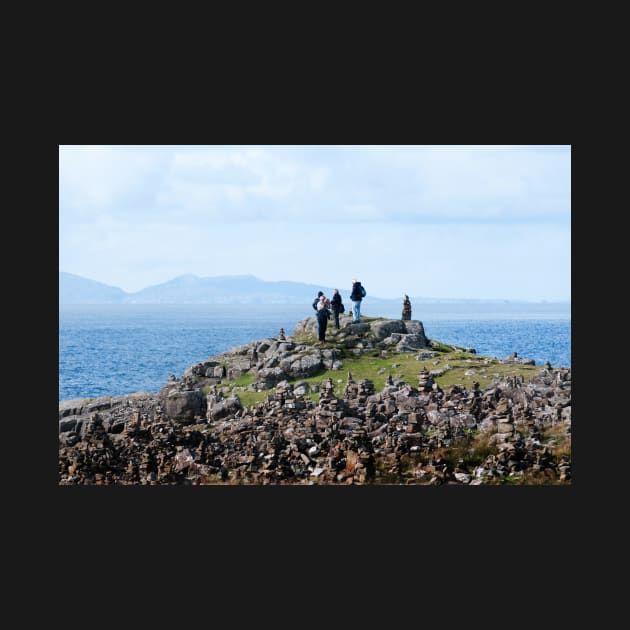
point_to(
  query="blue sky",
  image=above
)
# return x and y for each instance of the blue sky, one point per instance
(430, 221)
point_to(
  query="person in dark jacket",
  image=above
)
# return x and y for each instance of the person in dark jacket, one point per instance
(356, 295)
(323, 315)
(336, 306)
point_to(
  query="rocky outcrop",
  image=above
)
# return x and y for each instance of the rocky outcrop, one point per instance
(185, 406)
(195, 432)
(379, 333)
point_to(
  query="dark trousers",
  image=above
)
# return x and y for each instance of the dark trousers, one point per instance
(336, 318)
(322, 323)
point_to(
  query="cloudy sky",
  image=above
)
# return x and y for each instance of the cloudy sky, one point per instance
(430, 221)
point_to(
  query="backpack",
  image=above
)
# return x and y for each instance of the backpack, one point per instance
(342, 308)
(358, 292)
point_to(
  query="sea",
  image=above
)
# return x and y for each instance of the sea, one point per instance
(117, 349)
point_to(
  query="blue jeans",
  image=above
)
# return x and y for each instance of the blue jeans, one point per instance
(356, 311)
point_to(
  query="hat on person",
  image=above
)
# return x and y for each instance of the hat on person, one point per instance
(320, 293)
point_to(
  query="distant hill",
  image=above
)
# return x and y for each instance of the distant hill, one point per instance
(77, 290)
(191, 289)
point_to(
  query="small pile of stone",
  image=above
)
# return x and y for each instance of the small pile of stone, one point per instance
(406, 310)
(425, 380)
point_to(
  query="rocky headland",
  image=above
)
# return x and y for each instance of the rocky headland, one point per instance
(377, 403)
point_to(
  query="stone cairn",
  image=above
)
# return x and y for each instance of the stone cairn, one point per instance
(330, 408)
(504, 421)
(406, 310)
(281, 336)
(358, 392)
(425, 380)
(327, 389)
(474, 400)
(283, 393)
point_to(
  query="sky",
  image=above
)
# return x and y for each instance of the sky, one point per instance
(481, 222)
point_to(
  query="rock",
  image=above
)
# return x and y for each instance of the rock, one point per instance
(184, 405)
(423, 356)
(67, 425)
(224, 408)
(411, 342)
(385, 328)
(415, 327)
(306, 366)
(72, 407)
(266, 378)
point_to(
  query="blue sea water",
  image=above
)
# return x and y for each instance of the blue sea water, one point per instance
(124, 348)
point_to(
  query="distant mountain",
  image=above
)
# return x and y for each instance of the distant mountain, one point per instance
(191, 289)
(77, 290)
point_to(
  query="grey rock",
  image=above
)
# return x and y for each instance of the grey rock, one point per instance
(383, 329)
(225, 408)
(411, 342)
(184, 405)
(415, 327)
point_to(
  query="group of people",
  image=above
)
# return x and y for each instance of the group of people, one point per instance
(324, 307)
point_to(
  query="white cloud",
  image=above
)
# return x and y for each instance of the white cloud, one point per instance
(435, 222)
(92, 179)
(239, 185)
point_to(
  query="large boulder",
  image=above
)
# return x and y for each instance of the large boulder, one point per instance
(269, 377)
(385, 328)
(414, 327)
(307, 365)
(409, 343)
(183, 406)
(224, 408)
(359, 328)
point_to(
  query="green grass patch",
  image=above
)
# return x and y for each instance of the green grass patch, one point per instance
(249, 399)
(557, 440)
(457, 374)
(244, 380)
(376, 368)
(441, 347)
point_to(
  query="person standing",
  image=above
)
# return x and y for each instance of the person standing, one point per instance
(323, 315)
(336, 306)
(356, 295)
